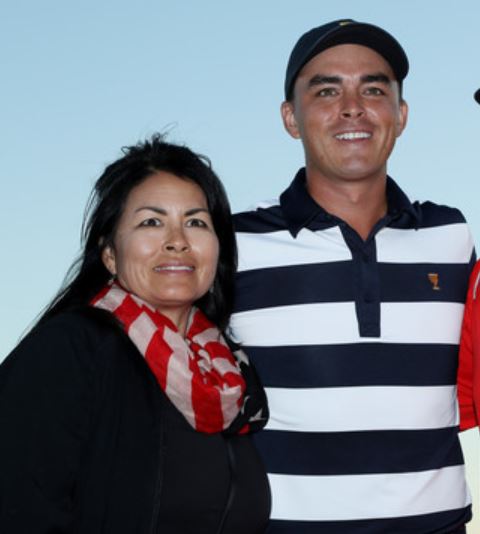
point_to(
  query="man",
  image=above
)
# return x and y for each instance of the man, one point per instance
(350, 301)
(468, 377)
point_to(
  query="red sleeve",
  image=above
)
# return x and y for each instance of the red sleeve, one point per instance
(468, 381)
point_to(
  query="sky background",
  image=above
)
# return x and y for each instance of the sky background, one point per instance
(81, 80)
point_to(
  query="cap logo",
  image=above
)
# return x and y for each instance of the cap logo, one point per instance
(344, 22)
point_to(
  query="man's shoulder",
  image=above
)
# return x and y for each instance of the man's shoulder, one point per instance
(263, 217)
(432, 214)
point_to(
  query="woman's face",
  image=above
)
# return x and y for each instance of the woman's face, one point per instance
(165, 249)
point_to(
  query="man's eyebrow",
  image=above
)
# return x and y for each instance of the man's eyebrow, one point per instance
(379, 77)
(321, 79)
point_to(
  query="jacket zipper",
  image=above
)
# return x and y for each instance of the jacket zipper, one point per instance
(232, 488)
(159, 481)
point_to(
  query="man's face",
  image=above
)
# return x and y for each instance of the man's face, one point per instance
(347, 112)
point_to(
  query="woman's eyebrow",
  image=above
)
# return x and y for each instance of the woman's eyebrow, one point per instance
(161, 211)
(194, 211)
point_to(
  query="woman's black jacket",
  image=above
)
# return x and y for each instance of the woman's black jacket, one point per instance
(81, 434)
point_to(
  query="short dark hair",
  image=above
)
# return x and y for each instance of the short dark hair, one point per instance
(107, 201)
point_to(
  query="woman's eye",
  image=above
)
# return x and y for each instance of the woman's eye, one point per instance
(197, 223)
(152, 221)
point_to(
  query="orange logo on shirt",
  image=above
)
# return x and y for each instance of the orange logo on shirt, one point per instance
(434, 279)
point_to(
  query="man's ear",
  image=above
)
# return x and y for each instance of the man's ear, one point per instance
(402, 117)
(108, 258)
(289, 120)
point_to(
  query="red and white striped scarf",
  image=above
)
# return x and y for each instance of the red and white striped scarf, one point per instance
(198, 373)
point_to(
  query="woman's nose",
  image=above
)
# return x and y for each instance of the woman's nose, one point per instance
(176, 241)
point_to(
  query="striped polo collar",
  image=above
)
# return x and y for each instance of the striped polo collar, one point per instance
(300, 209)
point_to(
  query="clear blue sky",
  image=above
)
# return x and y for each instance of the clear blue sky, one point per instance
(80, 80)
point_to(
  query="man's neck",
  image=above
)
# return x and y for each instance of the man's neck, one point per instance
(361, 203)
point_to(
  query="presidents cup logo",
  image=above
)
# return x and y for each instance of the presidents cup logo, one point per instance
(434, 279)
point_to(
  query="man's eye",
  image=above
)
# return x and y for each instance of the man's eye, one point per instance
(327, 91)
(376, 91)
(196, 223)
(152, 221)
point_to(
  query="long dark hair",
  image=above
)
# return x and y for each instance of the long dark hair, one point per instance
(88, 274)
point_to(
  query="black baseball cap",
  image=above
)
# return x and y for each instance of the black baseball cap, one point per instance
(345, 31)
(477, 95)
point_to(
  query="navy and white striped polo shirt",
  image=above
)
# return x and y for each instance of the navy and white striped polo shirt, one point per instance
(356, 343)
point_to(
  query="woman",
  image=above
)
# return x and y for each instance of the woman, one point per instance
(124, 410)
(469, 358)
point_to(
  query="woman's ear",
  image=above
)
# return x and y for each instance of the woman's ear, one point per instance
(108, 258)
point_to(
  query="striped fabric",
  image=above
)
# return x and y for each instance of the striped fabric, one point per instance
(198, 373)
(356, 343)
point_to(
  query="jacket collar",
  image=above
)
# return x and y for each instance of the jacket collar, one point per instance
(300, 209)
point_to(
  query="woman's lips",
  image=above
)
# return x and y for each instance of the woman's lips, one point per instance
(174, 268)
